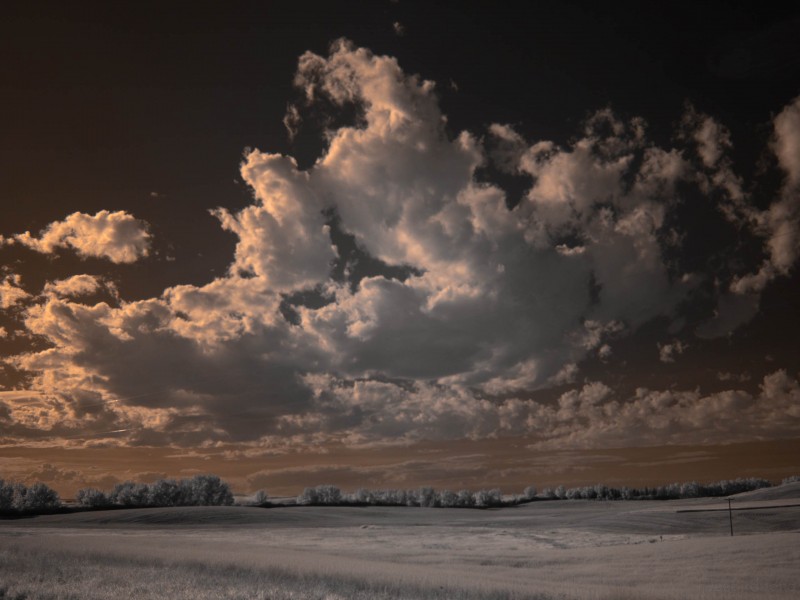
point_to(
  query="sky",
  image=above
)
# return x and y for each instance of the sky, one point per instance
(390, 244)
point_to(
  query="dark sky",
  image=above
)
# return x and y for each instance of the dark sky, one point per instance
(606, 258)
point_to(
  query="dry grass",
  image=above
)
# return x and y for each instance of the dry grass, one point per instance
(571, 550)
(41, 574)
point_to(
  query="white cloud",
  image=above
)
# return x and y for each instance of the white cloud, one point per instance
(76, 286)
(283, 238)
(11, 293)
(116, 236)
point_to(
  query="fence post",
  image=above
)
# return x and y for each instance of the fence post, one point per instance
(730, 515)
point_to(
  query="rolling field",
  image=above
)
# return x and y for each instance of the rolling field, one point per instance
(566, 549)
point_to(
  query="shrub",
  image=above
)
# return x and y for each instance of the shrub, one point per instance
(791, 479)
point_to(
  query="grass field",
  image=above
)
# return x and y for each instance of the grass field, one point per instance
(568, 549)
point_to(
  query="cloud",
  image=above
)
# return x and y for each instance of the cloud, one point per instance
(780, 223)
(786, 144)
(76, 286)
(476, 303)
(116, 236)
(11, 293)
(668, 352)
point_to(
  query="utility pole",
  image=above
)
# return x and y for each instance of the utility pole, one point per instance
(730, 515)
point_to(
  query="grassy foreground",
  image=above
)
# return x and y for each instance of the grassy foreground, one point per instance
(38, 574)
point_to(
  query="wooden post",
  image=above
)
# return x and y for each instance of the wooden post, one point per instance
(730, 515)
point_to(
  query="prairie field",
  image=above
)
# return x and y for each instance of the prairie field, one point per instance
(547, 549)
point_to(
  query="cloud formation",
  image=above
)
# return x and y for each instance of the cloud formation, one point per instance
(10, 291)
(115, 236)
(478, 301)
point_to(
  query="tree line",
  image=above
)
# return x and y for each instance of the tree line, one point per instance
(210, 490)
(322, 495)
(200, 490)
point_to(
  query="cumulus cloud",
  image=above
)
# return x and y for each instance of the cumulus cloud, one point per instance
(76, 286)
(116, 236)
(10, 291)
(364, 412)
(498, 299)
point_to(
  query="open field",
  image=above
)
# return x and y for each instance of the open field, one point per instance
(556, 549)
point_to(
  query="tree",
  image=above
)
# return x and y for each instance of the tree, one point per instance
(448, 499)
(6, 495)
(466, 499)
(209, 490)
(130, 493)
(37, 497)
(167, 492)
(427, 496)
(92, 498)
(308, 497)
(488, 498)
(363, 496)
(530, 492)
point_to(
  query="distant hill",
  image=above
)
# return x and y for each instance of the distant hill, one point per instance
(787, 491)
